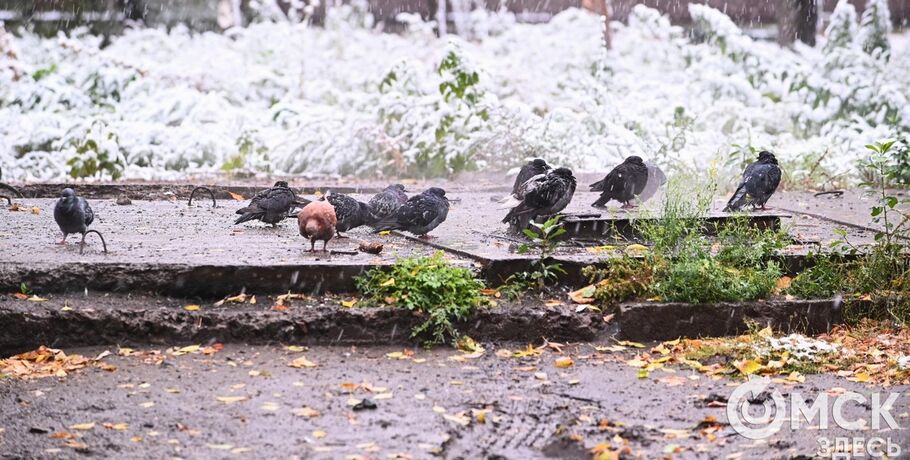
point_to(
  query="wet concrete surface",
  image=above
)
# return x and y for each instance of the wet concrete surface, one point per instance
(427, 407)
(191, 246)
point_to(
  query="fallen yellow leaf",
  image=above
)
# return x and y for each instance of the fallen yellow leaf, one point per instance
(749, 367)
(83, 426)
(302, 362)
(231, 399)
(192, 307)
(306, 412)
(564, 362)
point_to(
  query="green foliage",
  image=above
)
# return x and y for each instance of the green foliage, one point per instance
(700, 280)
(438, 292)
(542, 239)
(43, 72)
(435, 148)
(459, 82)
(885, 212)
(742, 245)
(250, 154)
(24, 289)
(624, 279)
(683, 265)
(823, 280)
(91, 159)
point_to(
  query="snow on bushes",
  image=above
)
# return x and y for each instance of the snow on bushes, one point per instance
(284, 97)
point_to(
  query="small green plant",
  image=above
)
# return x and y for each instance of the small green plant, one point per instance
(624, 279)
(684, 265)
(24, 289)
(899, 169)
(431, 287)
(96, 153)
(542, 238)
(250, 154)
(823, 280)
(44, 71)
(699, 280)
(91, 161)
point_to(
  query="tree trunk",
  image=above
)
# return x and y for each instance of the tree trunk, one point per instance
(797, 20)
(608, 32)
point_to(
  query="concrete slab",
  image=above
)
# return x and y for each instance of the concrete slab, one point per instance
(164, 245)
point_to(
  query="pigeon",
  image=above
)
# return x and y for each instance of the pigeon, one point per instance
(623, 183)
(317, 221)
(386, 202)
(542, 195)
(270, 206)
(73, 215)
(420, 214)
(531, 169)
(760, 181)
(350, 212)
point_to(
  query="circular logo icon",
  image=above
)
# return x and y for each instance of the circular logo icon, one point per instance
(756, 426)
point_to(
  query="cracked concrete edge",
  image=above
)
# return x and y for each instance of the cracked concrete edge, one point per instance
(27, 325)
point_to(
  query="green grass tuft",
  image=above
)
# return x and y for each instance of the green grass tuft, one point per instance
(438, 292)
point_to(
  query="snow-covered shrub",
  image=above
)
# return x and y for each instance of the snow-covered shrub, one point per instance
(435, 129)
(875, 27)
(281, 96)
(93, 152)
(841, 31)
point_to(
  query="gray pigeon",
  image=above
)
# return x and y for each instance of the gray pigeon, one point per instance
(73, 215)
(542, 195)
(760, 181)
(420, 215)
(532, 169)
(270, 206)
(386, 202)
(623, 183)
(349, 212)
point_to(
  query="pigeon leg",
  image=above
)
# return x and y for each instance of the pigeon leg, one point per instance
(425, 237)
(628, 205)
(339, 235)
(82, 243)
(313, 245)
(63, 241)
(324, 244)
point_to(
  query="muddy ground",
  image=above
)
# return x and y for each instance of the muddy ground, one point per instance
(424, 407)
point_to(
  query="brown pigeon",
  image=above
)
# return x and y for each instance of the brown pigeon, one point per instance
(317, 222)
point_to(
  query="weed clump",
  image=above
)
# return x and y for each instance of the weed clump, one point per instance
(623, 280)
(430, 286)
(683, 265)
(823, 280)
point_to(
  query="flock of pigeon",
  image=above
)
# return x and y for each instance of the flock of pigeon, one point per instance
(538, 191)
